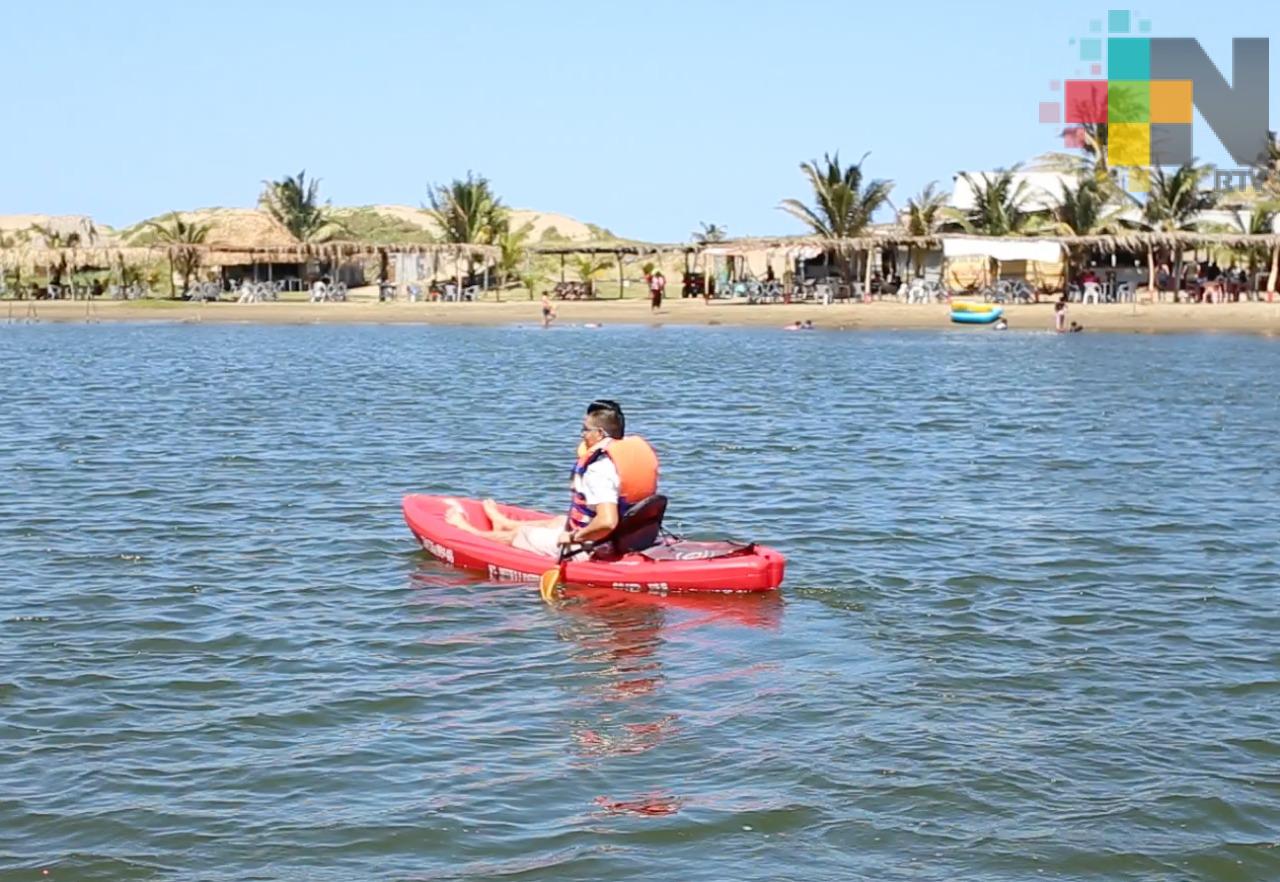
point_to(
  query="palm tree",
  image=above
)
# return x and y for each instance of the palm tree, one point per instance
(587, 267)
(843, 205)
(1086, 209)
(1269, 190)
(1094, 139)
(999, 207)
(1261, 221)
(709, 233)
(1267, 168)
(56, 239)
(1173, 205)
(923, 217)
(514, 250)
(182, 236)
(13, 240)
(294, 202)
(467, 212)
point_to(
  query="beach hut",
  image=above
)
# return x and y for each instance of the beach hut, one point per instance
(974, 262)
(667, 257)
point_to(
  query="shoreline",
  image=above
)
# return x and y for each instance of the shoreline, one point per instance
(1236, 318)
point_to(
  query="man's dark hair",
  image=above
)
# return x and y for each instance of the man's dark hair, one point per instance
(608, 416)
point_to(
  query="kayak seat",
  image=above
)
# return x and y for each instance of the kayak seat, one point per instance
(637, 530)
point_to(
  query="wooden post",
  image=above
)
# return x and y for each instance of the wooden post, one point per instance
(1275, 270)
(866, 291)
(561, 267)
(618, 255)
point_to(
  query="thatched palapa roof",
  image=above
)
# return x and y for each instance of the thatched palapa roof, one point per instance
(107, 256)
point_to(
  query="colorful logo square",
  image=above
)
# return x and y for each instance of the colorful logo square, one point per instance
(1170, 144)
(1129, 102)
(1129, 144)
(1129, 58)
(1171, 101)
(1086, 101)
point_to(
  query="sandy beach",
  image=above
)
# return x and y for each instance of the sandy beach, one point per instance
(1251, 318)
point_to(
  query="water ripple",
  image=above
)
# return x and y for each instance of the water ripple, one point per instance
(1029, 625)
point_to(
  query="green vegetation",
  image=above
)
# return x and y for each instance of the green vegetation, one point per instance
(467, 212)
(709, 233)
(843, 205)
(51, 238)
(514, 252)
(924, 216)
(294, 202)
(177, 233)
(370, 225)
(1086, 209)
(999, 205)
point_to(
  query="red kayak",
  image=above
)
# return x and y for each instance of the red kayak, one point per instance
(671, 566)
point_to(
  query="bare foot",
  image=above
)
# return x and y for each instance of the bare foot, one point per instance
(456, 517)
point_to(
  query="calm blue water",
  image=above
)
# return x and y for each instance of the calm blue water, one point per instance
(1029, 627)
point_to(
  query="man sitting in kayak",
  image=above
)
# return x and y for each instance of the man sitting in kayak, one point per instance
(612, 473)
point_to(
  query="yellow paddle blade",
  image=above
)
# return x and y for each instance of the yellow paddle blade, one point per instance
(548, 584)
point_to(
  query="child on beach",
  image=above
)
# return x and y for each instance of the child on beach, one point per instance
(548, 311)
(1060, 316)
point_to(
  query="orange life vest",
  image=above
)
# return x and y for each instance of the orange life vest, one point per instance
(637, 466)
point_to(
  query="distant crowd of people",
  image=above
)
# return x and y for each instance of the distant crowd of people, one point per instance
(1204, 282)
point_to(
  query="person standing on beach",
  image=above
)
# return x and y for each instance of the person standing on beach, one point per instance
(548, 310)
(1060, 316)
(657, 285)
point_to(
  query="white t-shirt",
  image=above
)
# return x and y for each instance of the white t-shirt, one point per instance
(600, 483)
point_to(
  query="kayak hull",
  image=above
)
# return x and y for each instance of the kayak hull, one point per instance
(760, 570)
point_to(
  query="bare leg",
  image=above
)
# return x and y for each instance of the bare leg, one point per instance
(496, 517)
(502, 522)
(455, 517)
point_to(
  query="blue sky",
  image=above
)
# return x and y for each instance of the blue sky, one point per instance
(644, 118)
